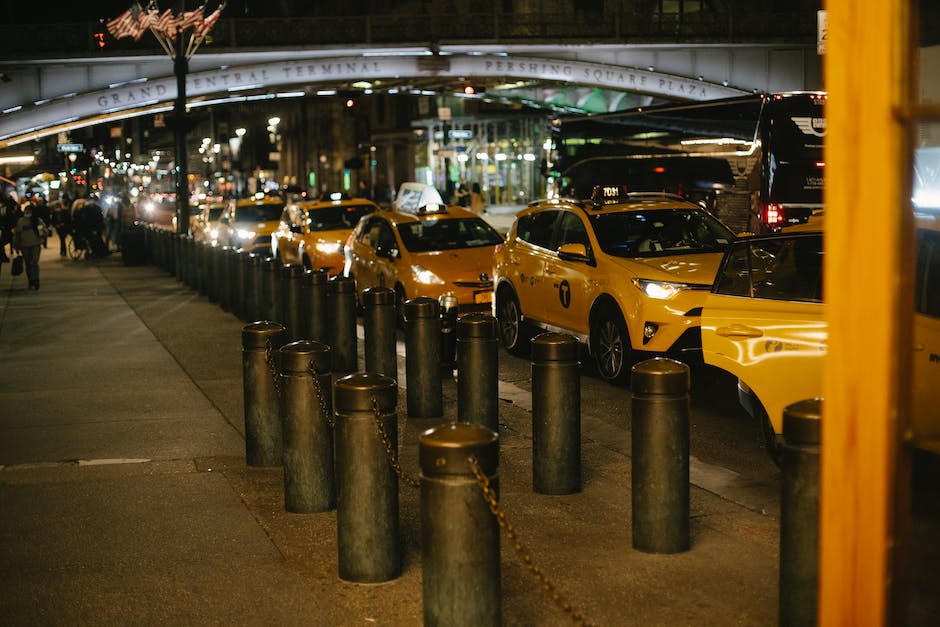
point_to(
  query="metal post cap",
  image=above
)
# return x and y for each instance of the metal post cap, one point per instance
(255, 260)
(354, 392)
(258, 334)
(316, 277)
(378, 296)
(270, 264)
(476, 325)
(445, 450)
(660, 375)
(802, 421)
(554, 347)
(299, 356)
(342, 285)
(421, 307)
(292, 271)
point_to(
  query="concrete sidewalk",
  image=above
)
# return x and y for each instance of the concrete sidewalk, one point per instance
(125, 498)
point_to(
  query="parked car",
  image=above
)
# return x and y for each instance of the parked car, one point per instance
(428, 250)
(625, 273)
(313, 232)
(765, 323)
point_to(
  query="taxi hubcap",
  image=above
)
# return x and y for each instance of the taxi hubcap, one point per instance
(610, 357)
(509, 322)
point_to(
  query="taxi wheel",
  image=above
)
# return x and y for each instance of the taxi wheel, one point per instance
(400, 299)
(510, 325)
(610, 346)
(771, 441)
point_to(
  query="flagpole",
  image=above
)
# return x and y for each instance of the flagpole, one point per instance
(181, 68)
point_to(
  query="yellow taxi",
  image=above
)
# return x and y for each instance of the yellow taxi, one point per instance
(248, 223)
(204, 225)
(313, 232)
(425, 248)
(764, 323)
(625, 273)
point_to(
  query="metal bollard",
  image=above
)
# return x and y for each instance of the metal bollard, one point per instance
(263, 432)
(477, 371)
(228, 269)
(660, 451)
(423, 358)
(291, 276)
(270, 289)
(316, 302)
(243, 272)
(203, 250)
(234, 280)
(556, 414)
(255, 265)
(459, 535)
(449, 309)
(212, 272)
(342, 321)
(799, 513)
(380, 329)
(177, 258)
(366, 485)
(307, 412)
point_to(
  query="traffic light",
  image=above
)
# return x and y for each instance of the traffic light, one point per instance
(99, 38)
(473, 90)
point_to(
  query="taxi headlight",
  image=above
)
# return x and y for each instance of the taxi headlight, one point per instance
(214, 233)
(661, 290)
(245, 234)
(424, 276)
(329, 248)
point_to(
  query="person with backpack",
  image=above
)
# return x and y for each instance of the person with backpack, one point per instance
(28, 235)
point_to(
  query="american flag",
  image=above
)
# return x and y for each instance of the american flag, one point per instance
(189, 19)
(206, 25)
(165, 23)
(145, 20)
(123, 25)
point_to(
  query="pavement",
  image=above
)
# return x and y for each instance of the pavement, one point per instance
(125, 497)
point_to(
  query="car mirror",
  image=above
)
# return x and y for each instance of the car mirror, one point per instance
(573, 252)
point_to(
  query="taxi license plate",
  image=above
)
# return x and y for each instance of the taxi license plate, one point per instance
(483, 297)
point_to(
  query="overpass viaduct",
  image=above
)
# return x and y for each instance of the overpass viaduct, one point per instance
(554, 60)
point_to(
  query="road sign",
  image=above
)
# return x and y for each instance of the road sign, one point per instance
(70, 147)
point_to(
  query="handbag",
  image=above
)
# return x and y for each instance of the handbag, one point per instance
(17, 268)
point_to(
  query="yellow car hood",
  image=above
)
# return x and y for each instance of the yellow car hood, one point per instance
(462, 264)
(699, 268)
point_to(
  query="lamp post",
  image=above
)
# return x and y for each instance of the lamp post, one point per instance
(168, 30)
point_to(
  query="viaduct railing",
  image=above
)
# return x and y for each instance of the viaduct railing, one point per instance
(37, 40)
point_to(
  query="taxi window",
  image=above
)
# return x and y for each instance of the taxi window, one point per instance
(430, 235)
(776, 269)
(215, 213)
(536, 228)
(337, 217)
(258, 213)
(571, 230)
(928, 273)
(660, 232)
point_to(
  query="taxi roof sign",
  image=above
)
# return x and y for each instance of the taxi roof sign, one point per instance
(418, 198)
(609, 195)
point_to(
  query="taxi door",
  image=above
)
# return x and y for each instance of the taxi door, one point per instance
(764, 321)
(525, 263)
(569, 288)
(926, 371)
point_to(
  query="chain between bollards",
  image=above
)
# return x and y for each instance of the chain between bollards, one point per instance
(312, 369)
(272, 366)
(490, 497)
(389, 449)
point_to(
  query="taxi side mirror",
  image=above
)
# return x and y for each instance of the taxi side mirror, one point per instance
(573, 252)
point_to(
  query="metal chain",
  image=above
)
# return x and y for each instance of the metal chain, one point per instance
(490, 497)
(389, 449)
(320, 396)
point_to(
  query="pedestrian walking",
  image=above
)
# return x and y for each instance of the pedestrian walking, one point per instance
(28, 235)
(62, 221)
(476, 199)
(42, 212)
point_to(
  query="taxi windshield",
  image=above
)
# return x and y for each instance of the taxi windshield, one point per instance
(338, 217)
(429, 235)
(258, 213)
(215, 213)
(660, 232)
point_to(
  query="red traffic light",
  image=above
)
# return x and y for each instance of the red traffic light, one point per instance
(350, 103)
(469, 90)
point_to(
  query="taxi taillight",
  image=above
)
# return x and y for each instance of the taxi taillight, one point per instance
(772, 214)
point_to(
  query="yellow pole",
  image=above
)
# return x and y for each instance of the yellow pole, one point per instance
(867, 70)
